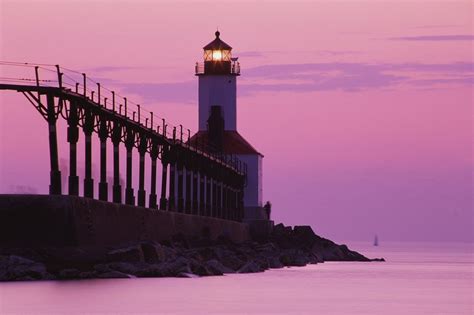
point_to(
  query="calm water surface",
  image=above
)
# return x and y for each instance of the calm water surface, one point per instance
(416, 279)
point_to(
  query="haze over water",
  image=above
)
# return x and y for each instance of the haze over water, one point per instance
(418, 278)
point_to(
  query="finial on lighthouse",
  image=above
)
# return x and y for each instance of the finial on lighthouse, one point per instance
(218, 33)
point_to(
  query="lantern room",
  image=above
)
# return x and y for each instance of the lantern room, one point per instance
(218, 59)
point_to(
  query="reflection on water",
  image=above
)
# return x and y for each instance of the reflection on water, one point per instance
(417, 278)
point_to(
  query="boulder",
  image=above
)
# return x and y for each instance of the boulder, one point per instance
(168, 253)
(88, 275)
(206, 253)
(300, 260)
(267, 248)
(314, 258)
(153, 252)
(70, 273)
(351, 255)
(19, 268)
(217, 268)
(281, 230)
(128, 268)
(304, 235)
(232, 262)
(187, 275)
(155, 270)
(202, 270)
(294, 257)
(128, 254)
(250, 267)
(274, 262)
(113, 275)
(179, 265)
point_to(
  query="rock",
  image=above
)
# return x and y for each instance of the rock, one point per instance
(155, 253)
(202, 270)
(70, 273)
(294, 257)
(19, 268)
(156, 270)
(250, 267)
(217, 268)
(180, 257)
(168, 253)
(88, 275)
(71, 256)
(102, 268)
(227, 257)
(113, 275)
(128, 268)
(332, 254)
(262, 261)
(300, 260)
(166, 269)
(281, 230)
(149, 251)
(304, 230)
(314, 258)
(304, 235)
(377, 259)
(207, 253)
(129, 254)
(181, 264)
(274, 262)
(187, 275)
(340, 253)
(267, 248)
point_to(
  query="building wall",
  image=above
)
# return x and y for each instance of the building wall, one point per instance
(254, 190)
(218, 90)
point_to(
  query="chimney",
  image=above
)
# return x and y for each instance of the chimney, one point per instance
(215, 129)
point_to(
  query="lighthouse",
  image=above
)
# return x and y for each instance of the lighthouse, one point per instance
(217, 75)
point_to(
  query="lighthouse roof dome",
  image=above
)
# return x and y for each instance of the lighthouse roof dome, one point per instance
(217, 44)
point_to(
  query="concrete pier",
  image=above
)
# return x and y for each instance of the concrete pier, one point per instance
(52, 220)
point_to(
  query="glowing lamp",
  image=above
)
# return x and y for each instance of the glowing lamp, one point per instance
(217, 50)
(217, 55)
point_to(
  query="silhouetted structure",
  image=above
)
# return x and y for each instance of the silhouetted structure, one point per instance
(217, 77)
(193, 170)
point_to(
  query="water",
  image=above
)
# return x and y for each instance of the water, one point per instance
(416, 279)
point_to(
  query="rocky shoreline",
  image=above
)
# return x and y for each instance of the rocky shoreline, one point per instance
(179, 257)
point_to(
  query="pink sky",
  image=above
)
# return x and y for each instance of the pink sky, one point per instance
(363, 109)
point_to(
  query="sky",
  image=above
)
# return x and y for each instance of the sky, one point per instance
(362, 109)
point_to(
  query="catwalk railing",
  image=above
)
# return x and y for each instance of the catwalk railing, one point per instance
(202, 181)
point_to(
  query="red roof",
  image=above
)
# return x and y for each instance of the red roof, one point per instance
(233, 142)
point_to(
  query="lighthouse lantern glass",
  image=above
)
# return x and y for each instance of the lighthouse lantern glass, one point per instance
(217, 55)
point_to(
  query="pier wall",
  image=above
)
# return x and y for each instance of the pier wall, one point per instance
(48, 220)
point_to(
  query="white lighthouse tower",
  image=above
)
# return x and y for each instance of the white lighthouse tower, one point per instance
(218, 119)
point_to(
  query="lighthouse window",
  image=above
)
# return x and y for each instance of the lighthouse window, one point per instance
(217, 55)
(207, 55)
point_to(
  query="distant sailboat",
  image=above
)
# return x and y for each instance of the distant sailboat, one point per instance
(376, 240)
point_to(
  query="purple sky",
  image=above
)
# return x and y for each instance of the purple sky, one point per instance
(363, 109)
